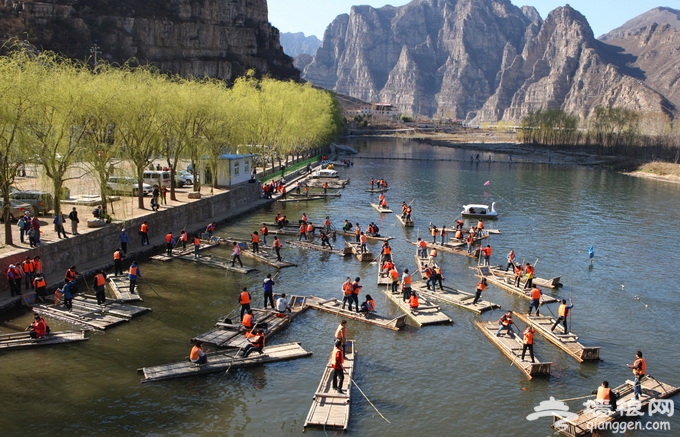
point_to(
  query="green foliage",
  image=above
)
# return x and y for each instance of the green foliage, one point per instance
(549, 127)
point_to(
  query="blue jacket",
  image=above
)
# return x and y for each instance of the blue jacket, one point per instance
(67, 289)
(139, 272)
(124, 237)
(268, 285)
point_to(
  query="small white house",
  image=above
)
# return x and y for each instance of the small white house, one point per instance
(232, 169)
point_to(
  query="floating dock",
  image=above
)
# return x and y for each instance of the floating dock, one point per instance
(223, 361)
(263, 255)
(377, 190)
(453, 296)
(380, 209)
(383, 275)
(361, 256)
(512, 348)
(406, 223)
(230, 334)
(583, 422)
(345, 251)
(541, 282)
(87, 313)
(427, 314)
(178, 251)
(457, 248)
(567, 342)
(216, 262)
(370, 237)
(23, 340)
(120, 286)
(508, 284)
(334, 306)
(330, 410)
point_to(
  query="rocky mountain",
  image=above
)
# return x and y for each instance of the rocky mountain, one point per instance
(652, 42)
(215, 38)
(297, 43)
(480, 60)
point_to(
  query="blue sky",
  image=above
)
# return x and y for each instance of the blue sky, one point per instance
(312, 16)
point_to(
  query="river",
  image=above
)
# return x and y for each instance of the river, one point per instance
(437, 380)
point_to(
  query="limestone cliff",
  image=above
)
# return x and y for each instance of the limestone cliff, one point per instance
(216, 38)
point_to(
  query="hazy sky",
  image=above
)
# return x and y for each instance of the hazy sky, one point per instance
(312, 16)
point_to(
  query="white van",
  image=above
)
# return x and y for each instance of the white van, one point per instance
(160, 178)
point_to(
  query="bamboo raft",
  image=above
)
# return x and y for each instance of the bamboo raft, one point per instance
(120, 286)
(509, 285)
(178, 251)
(453, 296)
(262, 255)
(377, 190)
(87, 313)
(23, 340)
(567, 342)
(223, 361)
(406, 223)
(229, 334)
(336, 194)
(346, 251)
(370, 237)
(361, 256)
(383, 276)
(334, 306)
(300, 198)
(458, 249)
(512, 348)
(330, 409)
(333, 183)
(428, 313)
(541, 282)
(584, 421)
(217, 262)
(380, 209)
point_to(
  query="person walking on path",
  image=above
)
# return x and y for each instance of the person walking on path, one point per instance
(244, 299)
(341, 334)
(236, 255)
(277, 247)
(73, 216)
(639, 370)
(268, 288)
(22, 228)
(117, 262)
(144, 232)
(336, 361)
(133, 274)
(35, 227)
(124, 239)
(562, 313)
(528, 342)
(99, 287)
(535, 300)
(481, 286)
(164, 194)
(58, 221)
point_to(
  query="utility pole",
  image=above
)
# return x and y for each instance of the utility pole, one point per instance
(96, 51)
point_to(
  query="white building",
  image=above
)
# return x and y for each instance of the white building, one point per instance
(232, 169)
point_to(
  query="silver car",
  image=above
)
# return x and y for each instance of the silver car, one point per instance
(126, 185)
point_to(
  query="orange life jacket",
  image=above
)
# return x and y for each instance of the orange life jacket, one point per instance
(255, 238)
(603, 394)
(183, 236)
(117, 255)
(394, 274)
(364, 238)
(528, 336)
(193, 356)
(347, 288)
(310, 228)
(244, 298)
(337, 358)
(247, 320)
(143, 227)
(168, 238)
(370, 305)
(197, 241)
(642, 363)
(563, 311)
(38, 265)
(39, 282)
(277, 243)
(258, 341)
(481, 286)
(264, 230)
(536, 293)
(413, 301)
(99, 280)
(433, 253)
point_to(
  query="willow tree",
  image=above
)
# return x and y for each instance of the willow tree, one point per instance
(135, 112)
(17, 78)
(615, 126)
(53, 120)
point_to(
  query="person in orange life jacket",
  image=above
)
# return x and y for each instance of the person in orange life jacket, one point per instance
(368, 306)
(562, 314)
(310, 230)
(244, 299)
(505, 322)
(38, 328)
(336, 361)
(236, 255)
(421, 248)
(248, 322)
(264, 231)
(428, 273)
(605, 395)
(256, 344)
(40, 285)
(71, 276)
(169, 243)
(133, 274)
(341, 334)
(442, 233)
(487, 254)
(99, 287)
(210, 229)
(28, 269)
(406, 285)
(529, 275)
(433, 232)
(277, 247)
(470, 240)
(355, 292)
(255, 240)
(347, 293)
(528, 342)
(459, 224)
(357, 233)
(413, 302)
(639, 370)
(481, 286)
(327, 224)
(268, 288)
(302, 231)
(394, 275)
(183, 237)
(386, 251)
(67, 290)
(197, 354)
(535, 300)
(363, 240)
(197, 246)
(38, 264)
(511, 260)
(144, 232)
(117, 262)
(518, 274)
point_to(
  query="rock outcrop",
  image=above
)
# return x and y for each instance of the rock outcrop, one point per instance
(295, 44)
(214, 38)
(481, 60)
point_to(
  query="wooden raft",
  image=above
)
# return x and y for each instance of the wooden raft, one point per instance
(427, 314)
(23, 340)
(377, 190)
(221, 361)
(567, 342)
(582, 422)
(331, 409)
(512, 348)
(178, 251)
(335, 194)
(87, 313)
(369, 237)
(346, 251)
(356, 250)
(458, 249)
(300, 198)
(508, 284)
(383, 275)
(380, 209)
(453, 296)
(541, 282)
(404, 222)
(120, 286)
(334, 306)
(263, 255)
(229, 334)
(333, 183)
(217, 262)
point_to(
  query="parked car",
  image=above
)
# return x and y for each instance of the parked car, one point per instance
(184, 177)
(16, 209)
(126, 185)
(157, 178)
(42, 201)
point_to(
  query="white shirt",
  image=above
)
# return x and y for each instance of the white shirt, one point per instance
(282, 304)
